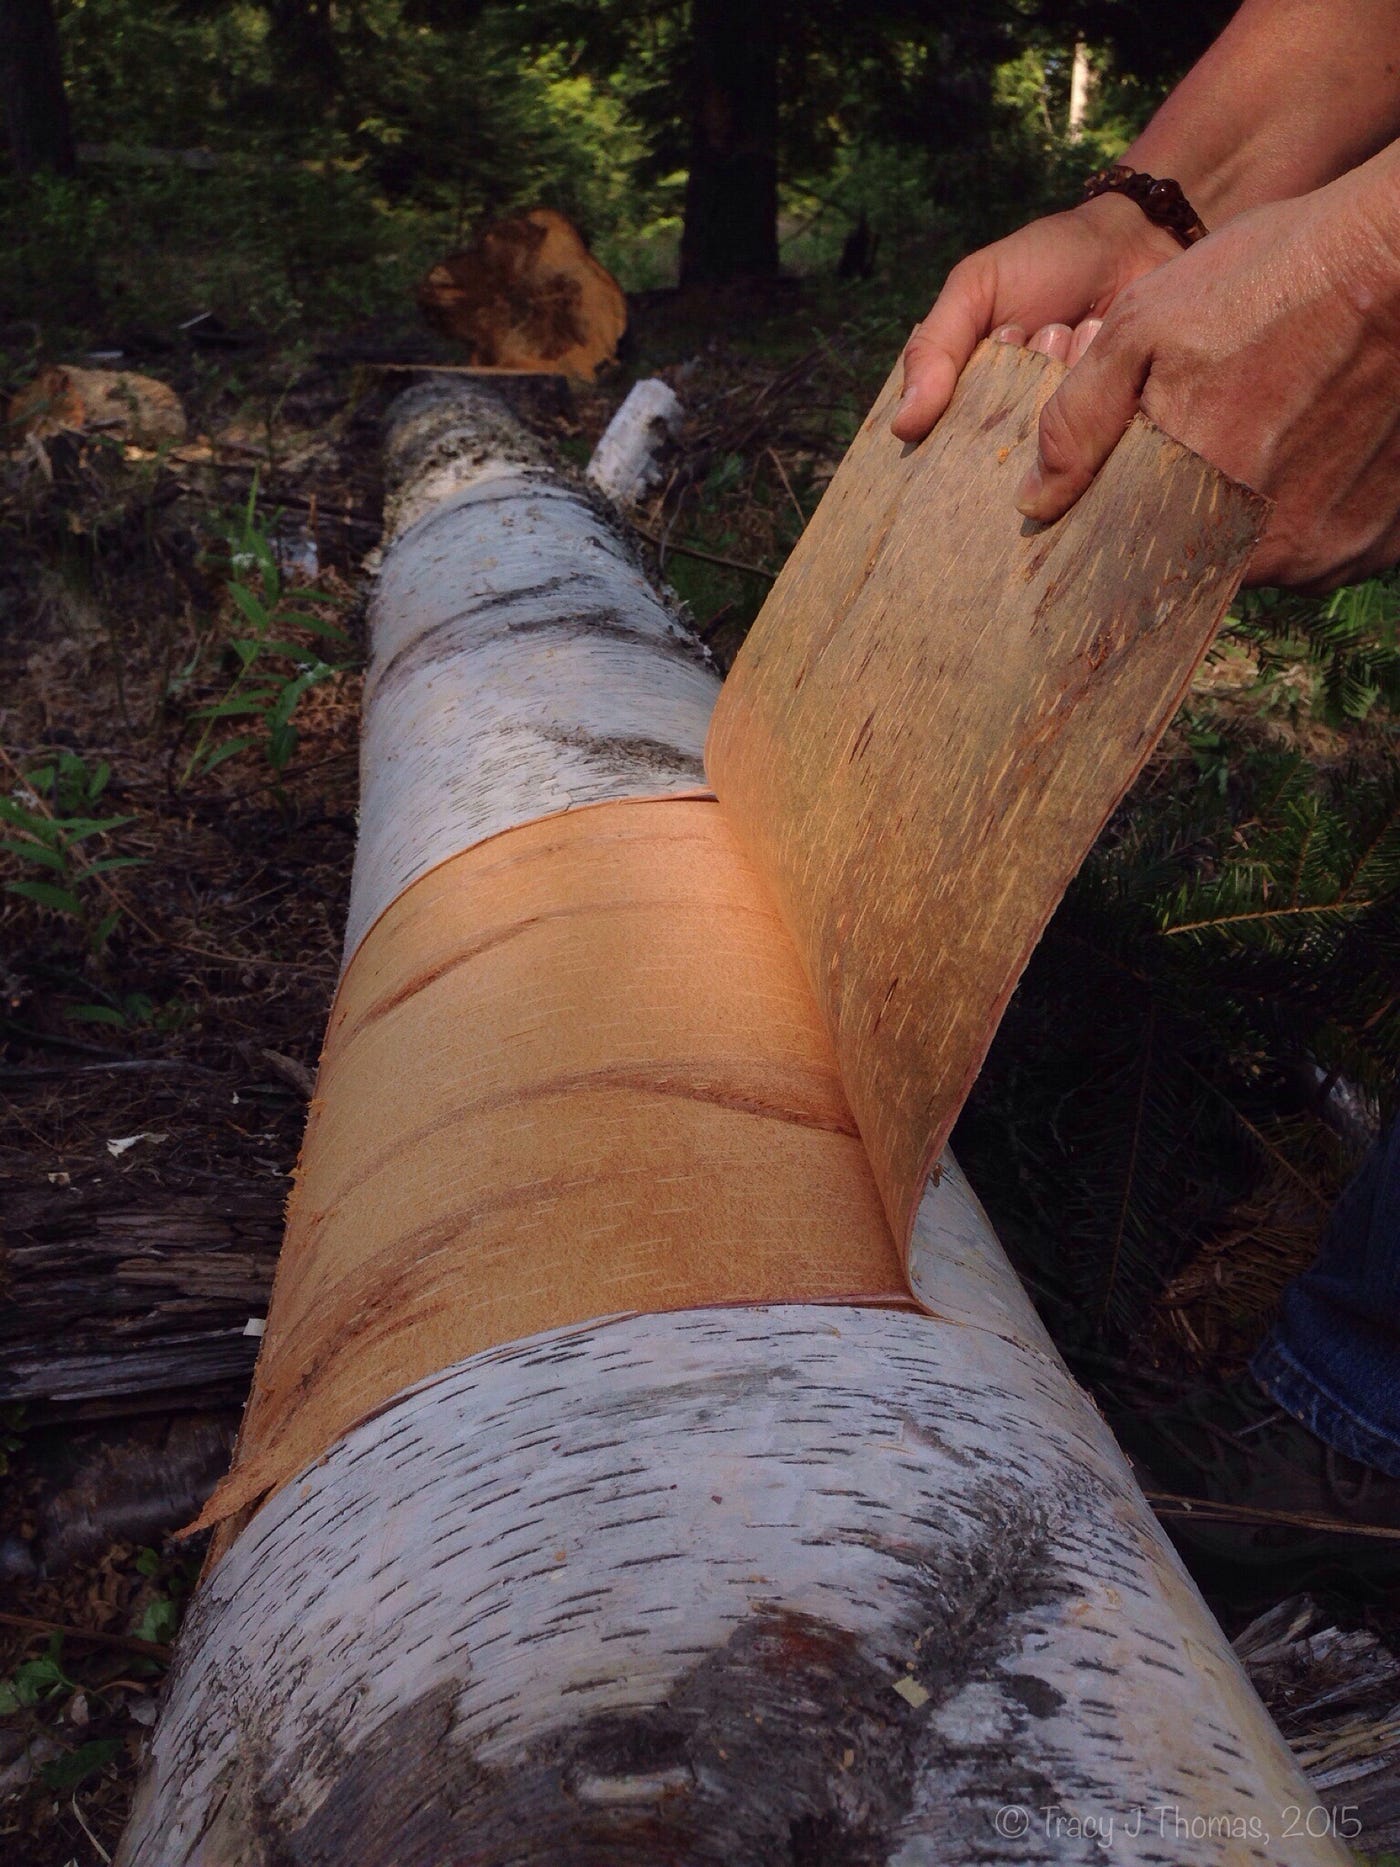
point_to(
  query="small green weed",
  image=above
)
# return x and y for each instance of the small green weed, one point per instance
(172, 1578)
(133, 1011)
(272, 670)
(52, 832)
(72, 1771)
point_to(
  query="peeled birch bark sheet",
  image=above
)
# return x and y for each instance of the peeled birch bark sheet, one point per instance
(937, 710)
(757, 1579)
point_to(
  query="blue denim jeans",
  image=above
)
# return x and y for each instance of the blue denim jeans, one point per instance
(1333, 1359)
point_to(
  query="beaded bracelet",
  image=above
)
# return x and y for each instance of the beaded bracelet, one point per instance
(1162, 201)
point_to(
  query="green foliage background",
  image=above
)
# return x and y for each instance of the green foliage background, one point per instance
(348, 146)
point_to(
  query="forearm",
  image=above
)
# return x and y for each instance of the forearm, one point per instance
(1292, 94)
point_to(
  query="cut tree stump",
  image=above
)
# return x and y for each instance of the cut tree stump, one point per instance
(528, 296)
(64, 399)
(777, 1581)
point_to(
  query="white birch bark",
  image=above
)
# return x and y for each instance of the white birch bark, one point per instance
(787, 1585)
(800, 1585)
(521, 661)
(626, 463)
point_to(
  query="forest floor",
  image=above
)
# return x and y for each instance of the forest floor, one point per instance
(161, 1019)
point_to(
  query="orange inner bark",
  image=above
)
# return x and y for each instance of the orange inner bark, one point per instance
(575, 1071)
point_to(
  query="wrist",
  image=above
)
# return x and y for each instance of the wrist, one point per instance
(1217, 194)
(1363, 207)
(1122, 225)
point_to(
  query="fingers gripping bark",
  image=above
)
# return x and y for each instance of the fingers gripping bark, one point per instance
(1084, 420)
(939, 348)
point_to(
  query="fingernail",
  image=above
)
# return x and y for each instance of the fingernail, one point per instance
(1052, 340)
(1084, 335)
(1031, 489)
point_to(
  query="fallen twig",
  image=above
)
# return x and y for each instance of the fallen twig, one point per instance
(122, 1643)
(708, 557)
(1173, 1504)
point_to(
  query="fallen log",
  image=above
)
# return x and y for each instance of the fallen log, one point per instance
(600, 1499)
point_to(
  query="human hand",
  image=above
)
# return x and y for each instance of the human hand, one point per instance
(1272, 348)
(1054, 278)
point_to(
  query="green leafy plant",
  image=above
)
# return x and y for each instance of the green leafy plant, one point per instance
(172, 1580)
(51, 832)
(36, 1681)
(88, 1760)
(272, 670)
(132, 1011)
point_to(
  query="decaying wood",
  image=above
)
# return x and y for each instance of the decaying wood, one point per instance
(120, 403)
(936, 711)
(132, 1482)
(528, 295)
(108, 1301)
(1336, 1698)
(784, 1584)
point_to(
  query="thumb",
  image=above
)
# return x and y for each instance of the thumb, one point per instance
(941, 345)
(1083, 422)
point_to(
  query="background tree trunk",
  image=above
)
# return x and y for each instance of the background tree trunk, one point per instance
(731, 196)
(1081, 87)
(32, 97)
(774, 1583)
(301, 36)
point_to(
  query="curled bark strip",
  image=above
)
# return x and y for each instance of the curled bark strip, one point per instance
(937, 710)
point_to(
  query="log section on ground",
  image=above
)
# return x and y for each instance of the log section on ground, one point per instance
(775, 1583)
(130, 407)
(936, 711)
(528, 295)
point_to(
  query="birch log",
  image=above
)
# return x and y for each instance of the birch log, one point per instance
(809, 1584)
